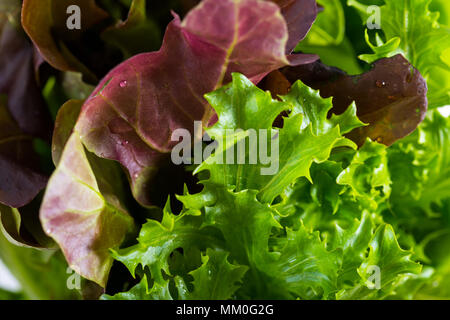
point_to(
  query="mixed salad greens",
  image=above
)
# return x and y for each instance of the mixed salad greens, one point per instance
(92, 205)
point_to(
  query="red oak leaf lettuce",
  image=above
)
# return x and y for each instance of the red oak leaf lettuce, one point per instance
(20, 178)
(18, 81)
(23, 118)
(82, 210)
(299, 16)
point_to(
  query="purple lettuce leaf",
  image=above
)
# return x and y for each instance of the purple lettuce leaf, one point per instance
(299, 16)
(83, 207)
(20, 177)
(391, 97)
(23, 118)
(132, 114)
(83, 210)
(19, 82)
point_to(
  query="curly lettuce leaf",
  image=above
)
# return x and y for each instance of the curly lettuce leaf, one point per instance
(216, 279)
(419, 202)
(392, 261)
(368, 176)
(307, 136)
(141, 292)
(158, 240)
(284, 257)
(419, 168)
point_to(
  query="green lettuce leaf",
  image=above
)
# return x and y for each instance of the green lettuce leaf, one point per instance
(391, 261)
(306, 137)
(227, 242)
(216, 279)
(368, 175)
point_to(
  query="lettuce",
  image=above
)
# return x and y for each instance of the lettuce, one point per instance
(113, 123)
(230, 163)
(235, 213)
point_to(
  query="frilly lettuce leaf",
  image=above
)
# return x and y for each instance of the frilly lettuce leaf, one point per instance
(138, 292)
(420, 166)
(368, 175)
(216, 279)
(307, 136)
(158, 240)
(283, 258)
(392, 261)
(420, 203)
(142, 292)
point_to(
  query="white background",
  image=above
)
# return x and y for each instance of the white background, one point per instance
(7, 280)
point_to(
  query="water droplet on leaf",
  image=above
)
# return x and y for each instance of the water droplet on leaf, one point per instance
(380, 84)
